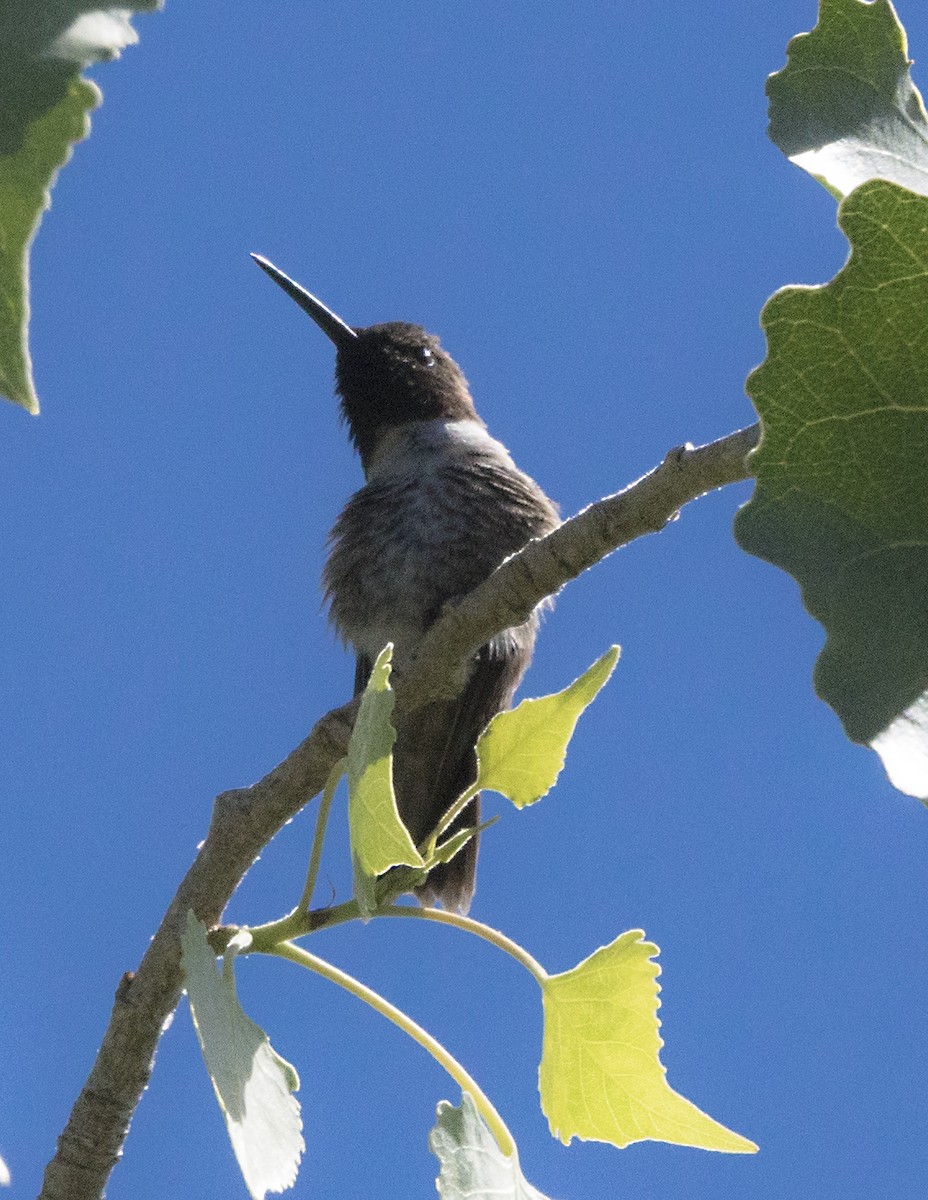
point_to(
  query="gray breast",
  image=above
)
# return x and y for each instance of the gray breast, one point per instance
(439, 513)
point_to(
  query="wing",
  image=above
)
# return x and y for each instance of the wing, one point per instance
(362, 673)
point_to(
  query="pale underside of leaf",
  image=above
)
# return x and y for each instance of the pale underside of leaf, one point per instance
(903, 748)
(844, 108)
(472, 1165)
(253, 1084)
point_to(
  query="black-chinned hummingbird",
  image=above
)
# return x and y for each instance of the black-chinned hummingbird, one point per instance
(442, 506)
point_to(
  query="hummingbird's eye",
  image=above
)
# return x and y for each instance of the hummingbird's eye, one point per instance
(428, 358)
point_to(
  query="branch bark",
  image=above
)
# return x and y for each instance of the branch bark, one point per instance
(245, 820)
(543, 567)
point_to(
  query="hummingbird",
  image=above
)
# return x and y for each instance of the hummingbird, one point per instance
(442, 506)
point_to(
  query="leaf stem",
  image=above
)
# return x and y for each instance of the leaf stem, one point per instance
(468, 924)
(428, 847)
(303, 958)
(300, 922)
(322, 817)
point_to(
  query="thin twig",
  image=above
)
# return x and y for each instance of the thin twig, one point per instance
(315, 858)
(542, 568)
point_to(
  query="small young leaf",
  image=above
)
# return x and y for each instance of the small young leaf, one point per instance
(452, 845)
(472, 1165)
(521, 752)
(253, 1084)
(601, 1077)
(844, 108)
(379, 839)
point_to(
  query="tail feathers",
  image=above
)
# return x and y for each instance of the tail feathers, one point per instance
(452, 884)
(434, 762)
(434, 759)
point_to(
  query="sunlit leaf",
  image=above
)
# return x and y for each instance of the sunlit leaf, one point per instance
(841, 501)
(903, 747)
(844, 107)
(253, 1083)
(4, 1174)
(521, 752)
(457, 841)
(601, 1077)
(44, 107)
(379, 839)
(454, 844)
(472, 1165)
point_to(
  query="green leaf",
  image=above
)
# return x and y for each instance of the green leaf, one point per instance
(454, 844)
(253, 1084)
(448, 849)
(521, 752)
(841, 501)
(601, 1077)
(379, 839)
(44, 107)
(844, 108)
(472, 1165)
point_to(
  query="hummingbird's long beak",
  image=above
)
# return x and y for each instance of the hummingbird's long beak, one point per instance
(331, 325)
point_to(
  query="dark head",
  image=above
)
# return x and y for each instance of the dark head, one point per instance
(386, 375)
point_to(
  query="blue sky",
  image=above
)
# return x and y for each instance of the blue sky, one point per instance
(581, 201)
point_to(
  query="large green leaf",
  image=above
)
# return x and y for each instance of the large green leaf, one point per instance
(601, 1076)
(844, 107)
(842, 483)
(44, 106)
(521, 752)
(379, 839)
(253, 1084)
(472, 1165)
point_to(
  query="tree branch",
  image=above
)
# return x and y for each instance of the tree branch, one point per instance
(243, 821)
(542, 568)
(246, 819)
